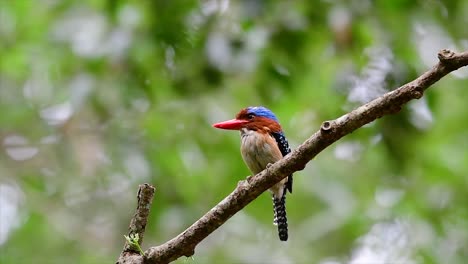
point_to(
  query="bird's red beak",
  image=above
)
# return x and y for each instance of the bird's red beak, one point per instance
(233, 124)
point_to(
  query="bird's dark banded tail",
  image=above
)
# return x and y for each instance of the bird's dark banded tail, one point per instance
(280, 219)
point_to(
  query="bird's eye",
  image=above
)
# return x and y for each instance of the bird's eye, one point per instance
(251, 116)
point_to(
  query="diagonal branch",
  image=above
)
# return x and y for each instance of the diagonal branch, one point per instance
(331, 131)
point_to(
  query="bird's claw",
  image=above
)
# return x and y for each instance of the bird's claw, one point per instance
(245, 182)
(249, 178)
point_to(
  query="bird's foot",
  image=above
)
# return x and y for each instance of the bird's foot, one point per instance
(244, 183)
(268, 166)
(249, 178)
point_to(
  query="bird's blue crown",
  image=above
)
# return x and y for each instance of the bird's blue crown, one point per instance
(261, 111)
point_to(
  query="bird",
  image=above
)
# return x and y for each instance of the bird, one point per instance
(262, 143)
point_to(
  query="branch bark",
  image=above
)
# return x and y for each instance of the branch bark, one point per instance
(330, 131)
(138, 224)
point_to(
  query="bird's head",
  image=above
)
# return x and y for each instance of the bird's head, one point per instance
(256, 118)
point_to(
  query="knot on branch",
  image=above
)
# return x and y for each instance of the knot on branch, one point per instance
(326, 127)
(417, 94)
(415, 91)
(189, 252)
(445, 55)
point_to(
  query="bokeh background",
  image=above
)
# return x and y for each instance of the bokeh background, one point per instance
(99, 96)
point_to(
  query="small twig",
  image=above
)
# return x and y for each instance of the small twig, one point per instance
(132, 249)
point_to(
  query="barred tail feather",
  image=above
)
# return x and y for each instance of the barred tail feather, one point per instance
(280, 219)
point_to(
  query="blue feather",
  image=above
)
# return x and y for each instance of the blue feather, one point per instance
(261, 111)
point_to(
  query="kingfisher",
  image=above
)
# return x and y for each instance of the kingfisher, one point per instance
(262, 143)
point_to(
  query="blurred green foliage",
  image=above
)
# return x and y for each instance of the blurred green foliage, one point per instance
(99, 96)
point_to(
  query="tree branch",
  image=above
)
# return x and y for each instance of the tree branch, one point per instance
(330, 131)
(137, 225)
